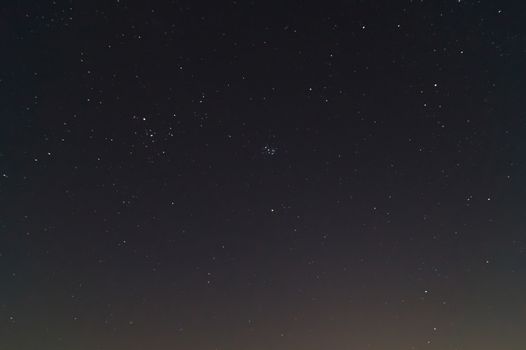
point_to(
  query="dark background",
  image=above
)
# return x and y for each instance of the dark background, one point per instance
(262, 175)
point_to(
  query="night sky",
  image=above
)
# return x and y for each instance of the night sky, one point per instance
(259, 175)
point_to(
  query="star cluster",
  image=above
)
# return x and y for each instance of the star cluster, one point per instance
(255, 175)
